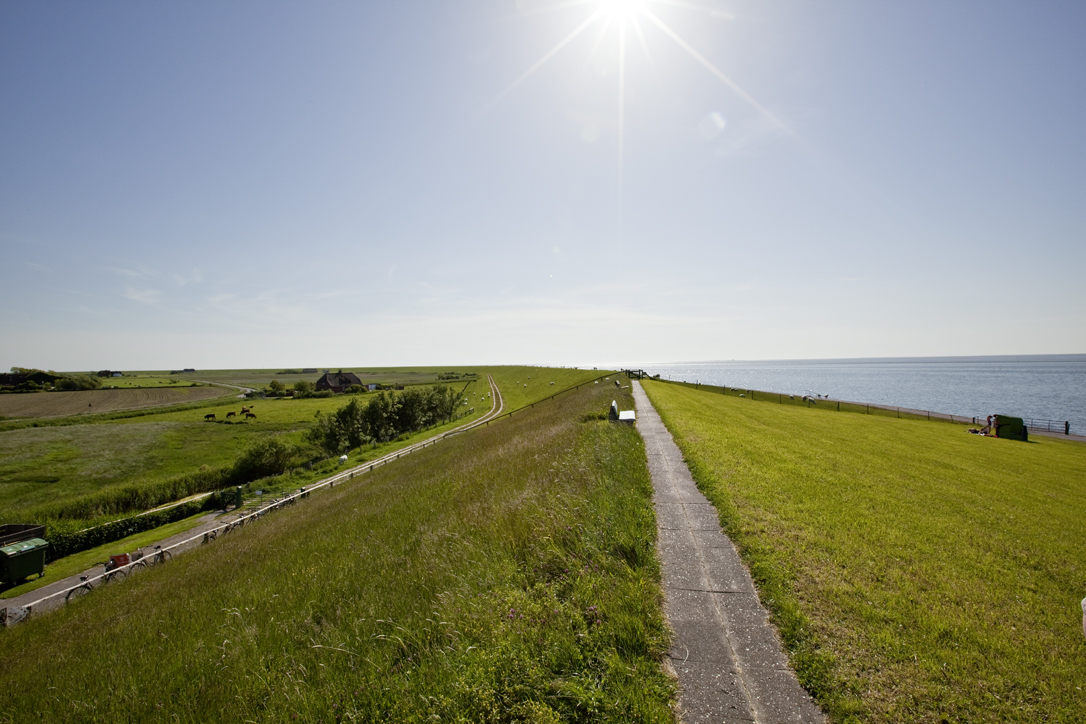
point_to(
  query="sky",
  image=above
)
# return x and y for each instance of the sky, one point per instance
(266, 184)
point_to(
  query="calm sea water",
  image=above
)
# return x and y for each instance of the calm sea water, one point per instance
(1050, 387)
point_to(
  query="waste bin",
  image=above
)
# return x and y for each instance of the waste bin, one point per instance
(19, 560)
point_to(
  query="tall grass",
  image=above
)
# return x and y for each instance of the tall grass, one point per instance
(503, 575)
(128, 462)
(917, 573)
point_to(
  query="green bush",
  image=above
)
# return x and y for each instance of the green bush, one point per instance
(79, 382)
(65, 544)
(387, 416)
(270, 456)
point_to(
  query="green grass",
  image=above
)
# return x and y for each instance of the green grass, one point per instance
(259, 378)
(79, 562)
(507, 574)
(133, 380)
(42, 467)
(917, 573)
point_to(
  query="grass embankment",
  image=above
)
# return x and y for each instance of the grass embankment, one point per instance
(46, 470)
(917, 573)
(507, 574)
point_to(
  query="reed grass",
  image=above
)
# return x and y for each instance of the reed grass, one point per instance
(506, 574)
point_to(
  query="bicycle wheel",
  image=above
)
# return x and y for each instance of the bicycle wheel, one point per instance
(138, 566)
(163, 556)
(116, 576)
(78, 592)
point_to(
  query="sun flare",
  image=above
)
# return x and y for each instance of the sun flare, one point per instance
(622, 8)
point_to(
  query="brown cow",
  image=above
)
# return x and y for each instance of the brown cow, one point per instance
(231, 414)
(250, 416)
(209, 416)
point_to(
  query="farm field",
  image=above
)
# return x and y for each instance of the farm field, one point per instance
(42, 468)
(88, 402)
(133, 379)
(917, 573)
(507, 574)
(260, 378)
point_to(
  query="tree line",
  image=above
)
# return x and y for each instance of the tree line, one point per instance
(385, 417)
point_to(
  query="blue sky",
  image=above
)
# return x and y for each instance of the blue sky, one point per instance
(571, 183)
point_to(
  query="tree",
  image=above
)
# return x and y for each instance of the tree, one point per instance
(302, 387)
(276, 386)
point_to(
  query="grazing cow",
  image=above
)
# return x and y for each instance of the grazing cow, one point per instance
(231, 414)
(250, 416)
(209, 416)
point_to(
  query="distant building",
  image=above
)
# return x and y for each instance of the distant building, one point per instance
(189, 369)
(310, 371)
(337, 381)
(109, 373)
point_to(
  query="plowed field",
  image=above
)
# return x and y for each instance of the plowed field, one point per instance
(55, 404)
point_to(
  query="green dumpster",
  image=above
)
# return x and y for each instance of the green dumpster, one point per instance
(1010, 428)
(19, 560)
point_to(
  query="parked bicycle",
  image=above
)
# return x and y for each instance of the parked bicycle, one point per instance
(157, 555)
(114, 572)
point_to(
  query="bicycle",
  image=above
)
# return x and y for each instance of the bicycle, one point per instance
(114, 572)
(160, 555)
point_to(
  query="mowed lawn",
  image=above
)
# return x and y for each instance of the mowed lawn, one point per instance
(504, 575)
(918, 573)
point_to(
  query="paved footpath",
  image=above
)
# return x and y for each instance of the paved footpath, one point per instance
(727, 656)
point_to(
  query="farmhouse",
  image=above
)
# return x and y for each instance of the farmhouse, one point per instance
(337, 381)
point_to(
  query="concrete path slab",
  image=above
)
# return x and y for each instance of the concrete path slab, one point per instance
(727, 656)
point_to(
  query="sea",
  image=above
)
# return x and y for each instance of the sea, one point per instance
(1037, 387)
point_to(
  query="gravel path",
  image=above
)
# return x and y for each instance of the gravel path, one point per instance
(725, 652)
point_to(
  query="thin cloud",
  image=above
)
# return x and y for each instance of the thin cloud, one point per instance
(143, 296)
(194, 278)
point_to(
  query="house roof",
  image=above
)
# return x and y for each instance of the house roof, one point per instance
(340, 379)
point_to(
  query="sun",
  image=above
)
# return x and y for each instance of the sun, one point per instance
(619, 16)
(622, 8)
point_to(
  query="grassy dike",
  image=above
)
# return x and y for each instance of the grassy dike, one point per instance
(506, 574)
(917, 573)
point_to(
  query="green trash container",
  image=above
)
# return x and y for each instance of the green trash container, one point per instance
(19, 560)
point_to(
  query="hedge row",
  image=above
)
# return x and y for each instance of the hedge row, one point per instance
(65, 544)
(129, 498)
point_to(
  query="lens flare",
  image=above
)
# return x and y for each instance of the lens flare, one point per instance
(622, 8)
